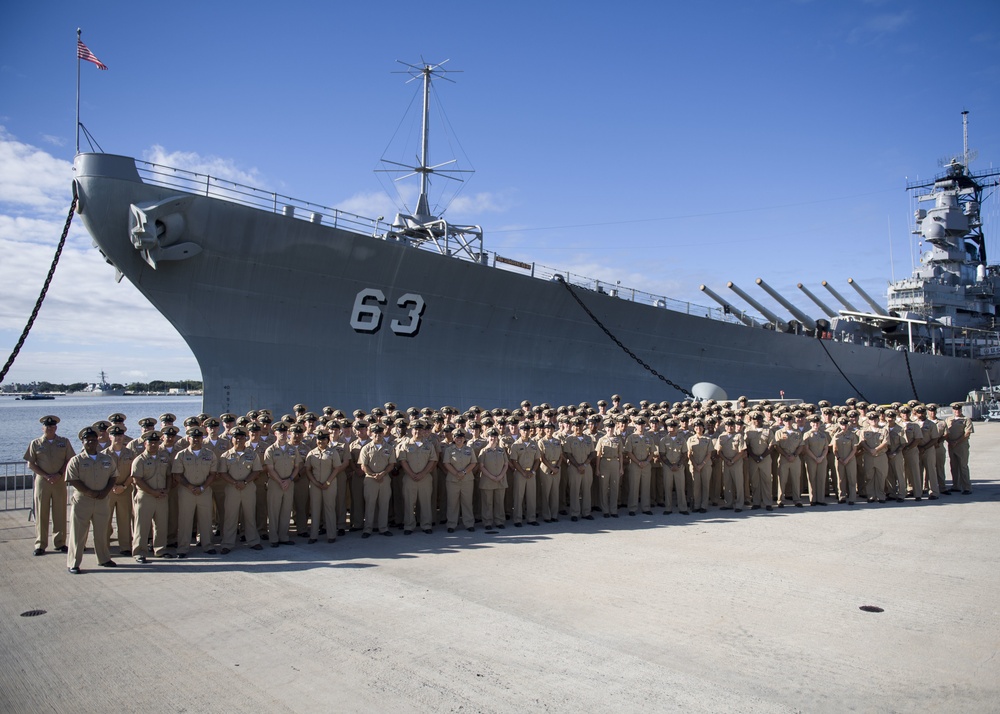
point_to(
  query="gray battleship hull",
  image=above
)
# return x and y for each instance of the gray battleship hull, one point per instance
(267, 304)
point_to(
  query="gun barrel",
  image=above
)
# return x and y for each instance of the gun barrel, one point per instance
(867, 298)
(796, 313)
(840, 297)
(770, 316)
(738, 314)
(819, 303)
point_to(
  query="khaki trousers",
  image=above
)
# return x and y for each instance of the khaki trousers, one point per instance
(323, 507)
(235, 501)
(84, 513)
(279, 511)
(761, 481)
(150, 511)
(816, 478)
(789, 479)
(959, 457)
(377, 497)
(847, 479)
(549, 483)
(492, 504)
(638, 486)
(50, 499)
(876, 470)
(732, 480)
(674, 482)
(460, 496)
(188, 506)
(609, 479)
(419, 494)
(525, 501)
(120, 515)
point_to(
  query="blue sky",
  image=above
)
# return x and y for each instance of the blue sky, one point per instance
(663, 145)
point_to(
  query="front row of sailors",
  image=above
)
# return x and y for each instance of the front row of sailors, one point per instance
(251, 480)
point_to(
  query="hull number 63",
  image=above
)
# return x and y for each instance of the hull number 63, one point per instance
(367, 313)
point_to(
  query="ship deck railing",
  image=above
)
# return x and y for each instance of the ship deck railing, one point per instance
(17, 487)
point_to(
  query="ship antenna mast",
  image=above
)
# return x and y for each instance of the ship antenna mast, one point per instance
(965, 137)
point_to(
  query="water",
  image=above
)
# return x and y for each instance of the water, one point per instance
(19, 420)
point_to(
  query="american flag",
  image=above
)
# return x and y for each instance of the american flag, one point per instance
(83, 52)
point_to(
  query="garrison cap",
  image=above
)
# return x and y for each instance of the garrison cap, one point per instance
(87, 432)
(195, 432)
(117, 418)
(168, 418)
(240, 432)
(147, 422)
(116, 430)
(151, 436)
(101, 425)
(49, 420)
(170, 430)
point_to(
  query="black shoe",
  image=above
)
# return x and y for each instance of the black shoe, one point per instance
(737, 510)
(685, 513)
(340, 532)
(781, 505)
(850, 503)
(588, 517)
(563, 513)
(181, 556)
(574, 519)
(39, 551)
(754, 508)
(265, 536)
(274, 545)
(964, 493)
(769, 508)
(226, 551)
(405, 532)
(881, 500)
(311, 541)
(614, 515)
(65, 548)
(74, 570)
(917, 498)
(798, 505)
(471, 529)
(728, 508)
(125, 552)
(243, 539)
(322, 531)
(517, 525)
(173, 545)
(302, 534)
(257, 547)
(647, 513)
(667, 513)
(535, 523)
(501, 525)
(607, 515)
(451, 530)
(387, 532)
(331, 540)
(631, 513)
(366, 535)
(140, 558)
(428, 531)
(899, 500)
(167, 556)
(108, 564)
(932, 497)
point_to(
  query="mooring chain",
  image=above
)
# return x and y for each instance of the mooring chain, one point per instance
(906, 354)
(618, 342)
(45, 289)
(856, 390)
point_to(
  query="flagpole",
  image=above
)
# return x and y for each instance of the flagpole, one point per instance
(78, 91)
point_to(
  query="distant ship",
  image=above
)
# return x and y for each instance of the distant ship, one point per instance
(99, 389)
(330, 308)
(35, 397)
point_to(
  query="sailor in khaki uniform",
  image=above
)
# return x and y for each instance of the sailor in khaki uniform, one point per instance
(911, 452)
(325, 465)
(194, 468)
(493, 464)
(788, 445)
(281, 461)
(927, 471)
(874, 443)
(418, 458)
(817, 447)
(939, 449)
(611, 467)
(92, 475)
(550, 452)
(47, 458)
(459, 462)
(731, 449)
(638, 450)
(896, 437)
(959, 429)
(239, 467)
(151, 476)
(759, 441)
(120, 499)
(700, 449)
(376, 459)
(671, 452)
(845, 450)
(524, 460)
(356, 481)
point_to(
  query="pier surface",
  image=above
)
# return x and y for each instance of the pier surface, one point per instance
(720, 612)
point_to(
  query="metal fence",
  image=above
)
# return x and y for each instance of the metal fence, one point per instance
(17, 485)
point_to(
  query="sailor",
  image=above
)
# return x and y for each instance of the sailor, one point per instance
(874, 443)
(638, 450)
(281, 462)
(219, 445)
(817, 447)
(376, 459)
(959, 429)
(47, 458)
(699, 451)
(101, 427)
(897, 441)
(671, 453)
(845, 450)
(239, 467)
(146, 425)
(759, 441)
(92, 475)
(493, 464)
(911, 452)
(417, 457)
(229, 422)
(356, 476)
(550, 465)
(459, 462)
(300, 495)
(731, 449)
(170, 449)
(524, 460)
(151, 476)
(788, 446)
(939, 450)
(194, 469)
(611, 466)
(166, 419)
(120, 499)
(927, 448)
(324, 466)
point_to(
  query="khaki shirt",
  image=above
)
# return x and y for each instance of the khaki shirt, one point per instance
(153, 470)
(322, 463)
(672, 449)
(844, 443)
(638, 446)
(493, 459)
(196, 468)
(283, 459)
(816, 441)
(552, 448)
(417, 454)
(238, 465)
(730, 445)
(958, 427)
(50, 456)
(123, 463)
(94, 471)
(758, 442)
(460, 457)
(699, 448)
(609, 449)
(525, 453)
(377, 456)
(788, 442)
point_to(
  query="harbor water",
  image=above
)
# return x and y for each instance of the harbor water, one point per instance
(19, 420)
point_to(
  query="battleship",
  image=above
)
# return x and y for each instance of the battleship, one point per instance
(328, 307)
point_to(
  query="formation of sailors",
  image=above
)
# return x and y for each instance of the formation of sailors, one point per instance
(243, 480)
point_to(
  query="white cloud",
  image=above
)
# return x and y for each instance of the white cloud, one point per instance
(369, 205)
(208, 165)
(31, 179)
(877, 26)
